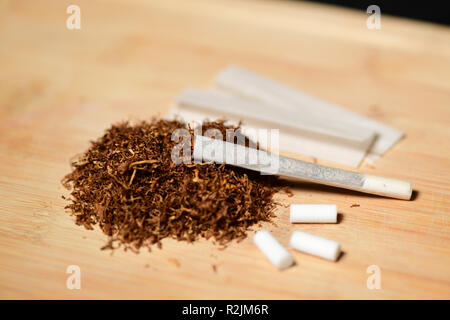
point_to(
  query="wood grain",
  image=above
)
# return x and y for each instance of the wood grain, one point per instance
(61, 88)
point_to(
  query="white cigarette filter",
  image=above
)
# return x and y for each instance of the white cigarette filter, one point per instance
(314, 245)
(313, 213)
(273, 250)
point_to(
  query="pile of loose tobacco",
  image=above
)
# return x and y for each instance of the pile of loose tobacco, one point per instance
(128, 184)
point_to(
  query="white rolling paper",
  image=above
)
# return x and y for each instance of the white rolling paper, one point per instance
(342, 144)
(250, 85)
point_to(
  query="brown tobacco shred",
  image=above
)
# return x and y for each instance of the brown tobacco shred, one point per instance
(128, 184)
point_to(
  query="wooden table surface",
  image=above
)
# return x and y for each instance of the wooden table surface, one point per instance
(61, 88)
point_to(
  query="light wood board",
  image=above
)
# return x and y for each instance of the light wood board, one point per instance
(60, 88)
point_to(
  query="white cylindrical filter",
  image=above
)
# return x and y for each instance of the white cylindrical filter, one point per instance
(387, 186)
(317, 246)
(272, 249)
(313, 213)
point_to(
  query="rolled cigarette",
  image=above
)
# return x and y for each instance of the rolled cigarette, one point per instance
(314, 245)
(207, 149)
(272, 249)
(313, 213)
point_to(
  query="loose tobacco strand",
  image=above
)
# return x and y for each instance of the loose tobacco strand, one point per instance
(127, 184)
